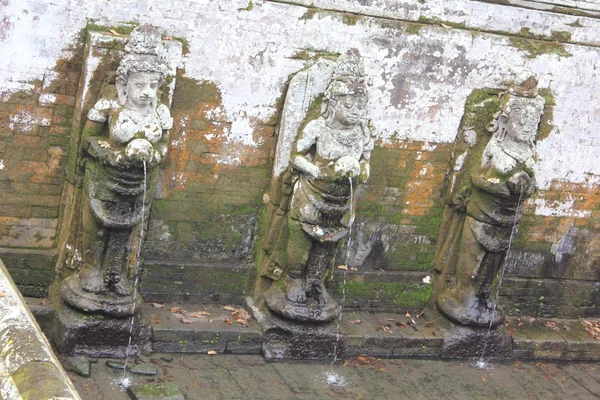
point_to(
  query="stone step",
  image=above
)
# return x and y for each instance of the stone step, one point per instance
(377, 334)
(182, 333)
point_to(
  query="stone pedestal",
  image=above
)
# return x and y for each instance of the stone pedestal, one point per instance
(467, 342)
(97, 335)
(289, 340)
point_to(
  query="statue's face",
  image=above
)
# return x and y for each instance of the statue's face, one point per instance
(350, 108)
(522, 125)
(142, 88)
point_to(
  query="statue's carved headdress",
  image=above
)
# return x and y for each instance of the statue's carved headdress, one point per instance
(523, 99)
(143, 53)
(348, 77)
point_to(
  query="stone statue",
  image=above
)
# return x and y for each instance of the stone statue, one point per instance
(329, 158)
(503, 180)
(124, 139)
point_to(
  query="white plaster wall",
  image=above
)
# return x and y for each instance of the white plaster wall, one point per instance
(420, 82)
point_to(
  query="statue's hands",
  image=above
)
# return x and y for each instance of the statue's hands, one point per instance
(139, 150)
(347, 166)
(521, 183)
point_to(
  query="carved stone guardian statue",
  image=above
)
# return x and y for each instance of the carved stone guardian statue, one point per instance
(125, 138)
(323, 153)
(490, 208)
(331, 155)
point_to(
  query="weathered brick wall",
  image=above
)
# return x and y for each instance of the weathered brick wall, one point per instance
(35, 132)
(204, 218)
(554, 267)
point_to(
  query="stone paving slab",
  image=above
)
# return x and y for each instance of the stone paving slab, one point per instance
(236, 377)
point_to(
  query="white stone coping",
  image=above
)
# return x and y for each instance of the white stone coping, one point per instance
(23, 343)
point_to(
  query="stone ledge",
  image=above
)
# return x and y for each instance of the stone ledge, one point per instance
(28, 367)
(532, 339)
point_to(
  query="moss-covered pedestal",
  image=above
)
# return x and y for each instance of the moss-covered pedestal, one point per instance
(97, 334)
(289, 340)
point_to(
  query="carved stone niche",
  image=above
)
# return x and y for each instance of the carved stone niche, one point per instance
(491, 176)
(323, 153)
(123, 114)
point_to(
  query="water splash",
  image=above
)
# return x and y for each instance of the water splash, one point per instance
(481, 364)
(334, 379)
(125, 381)
(345, 276)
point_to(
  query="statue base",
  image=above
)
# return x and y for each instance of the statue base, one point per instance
(309, 311)
(105, 303)
(96, 334)
(292, 340)
(473, 314)
(468, 342)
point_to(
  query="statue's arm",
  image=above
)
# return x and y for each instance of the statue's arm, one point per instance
(365, 159)
(94, 144)
(497, 188)
(166, 121)
(300, 161)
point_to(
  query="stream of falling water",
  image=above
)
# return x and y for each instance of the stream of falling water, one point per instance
(332, 378)
(481, 363)
(125, 381)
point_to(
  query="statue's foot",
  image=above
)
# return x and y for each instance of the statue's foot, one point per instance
(91, 280)
(123, 287)
(295, 290)
(470, 311)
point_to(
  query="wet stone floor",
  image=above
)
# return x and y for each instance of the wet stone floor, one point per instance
(250, 377)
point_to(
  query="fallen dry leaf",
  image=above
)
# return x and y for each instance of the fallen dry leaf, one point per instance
(42, 303)
(168, 38)
(345, 268)
(552, 325)
(227, 321)
(420, 314)
(243, 322)
(185, 320)
(483, 379)
(386, 328)
(407, 315)
(353, 269)
(229, 308)
(401, 324)
(158, 305)
(356, 321)
(114, 32)
(199, 314)
(2, 294)
(446, 26)
(429, 324)
(390, 319)
(177, 310)
(211, 352)
(154, 319)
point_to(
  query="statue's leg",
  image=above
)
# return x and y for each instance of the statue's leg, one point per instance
(470, 260)
(95, 238)
(116, 263)
(298, 250)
